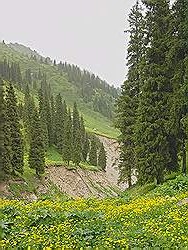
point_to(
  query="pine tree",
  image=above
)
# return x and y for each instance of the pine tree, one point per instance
(102, 157)
(5, 140)
(67, 143)
(28, 113)
(153, 120)
(128, 101)
(43, 118)
(59, 123)
(64, 120)
(82, 131)
(7, 149)
(86, 148)
(77, 149)
(37, 149)
(15, 132)
(185, 119)
(177, 60)
(93, 153)
(53, 119)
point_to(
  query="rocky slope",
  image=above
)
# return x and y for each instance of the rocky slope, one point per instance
(84, 183)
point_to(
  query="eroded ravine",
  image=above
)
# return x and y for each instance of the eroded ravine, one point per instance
(83, 183)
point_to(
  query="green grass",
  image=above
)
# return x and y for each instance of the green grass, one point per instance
(25, 183)
(53, 158)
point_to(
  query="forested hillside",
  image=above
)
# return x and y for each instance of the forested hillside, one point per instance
(97, 110)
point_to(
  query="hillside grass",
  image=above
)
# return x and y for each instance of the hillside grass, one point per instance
(144, 220)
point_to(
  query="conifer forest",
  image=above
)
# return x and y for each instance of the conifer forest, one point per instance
(85, 164)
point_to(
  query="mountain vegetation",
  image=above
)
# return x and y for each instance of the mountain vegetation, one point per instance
(51, 109)
(152, 109)
(144, 218)
(34, 68)
(34, 119)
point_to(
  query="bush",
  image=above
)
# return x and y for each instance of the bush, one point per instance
(174, 186)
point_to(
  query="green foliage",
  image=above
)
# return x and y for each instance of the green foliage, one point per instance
(86, 147)
(59, 83)
(77, 147)
(102, 157)
(173, 187)
(36, 158)
(59, 123)
(5, 139)
(93, 153)
(68, 138)
(15, 132)
(152, 221)
(127, 104)
(91, 88)
(152, 107)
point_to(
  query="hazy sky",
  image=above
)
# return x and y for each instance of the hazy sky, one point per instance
(89, 33)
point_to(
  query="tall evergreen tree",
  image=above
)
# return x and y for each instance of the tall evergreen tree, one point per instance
(128, 101)
(67, 143)
(86, 148)
(59, 123)
(64, 119)
(93, 153)
(28, 113)
(153, 112)
(177, 60)
(102, 157)
(15, 130)
(43, 118)
(53, 119)
(5, 140)
(82, 131)
(77, 148)
(37, 148)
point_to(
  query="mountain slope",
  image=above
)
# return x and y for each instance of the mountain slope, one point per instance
(59, 82)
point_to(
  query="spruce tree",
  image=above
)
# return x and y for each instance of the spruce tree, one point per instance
(28, 113)
(7, 153)
(153, 112)
(64, 119)
(5, 140)
(128, 101)
(77, 149)
(82, 131)
(53, 119)
(67, 143)
(86, 148)
(177, 60)
(37, 148)
(59, 123)
(93, 153)
(15, 130)
(102, 157)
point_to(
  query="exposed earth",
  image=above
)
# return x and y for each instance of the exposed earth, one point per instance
(78, 182)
